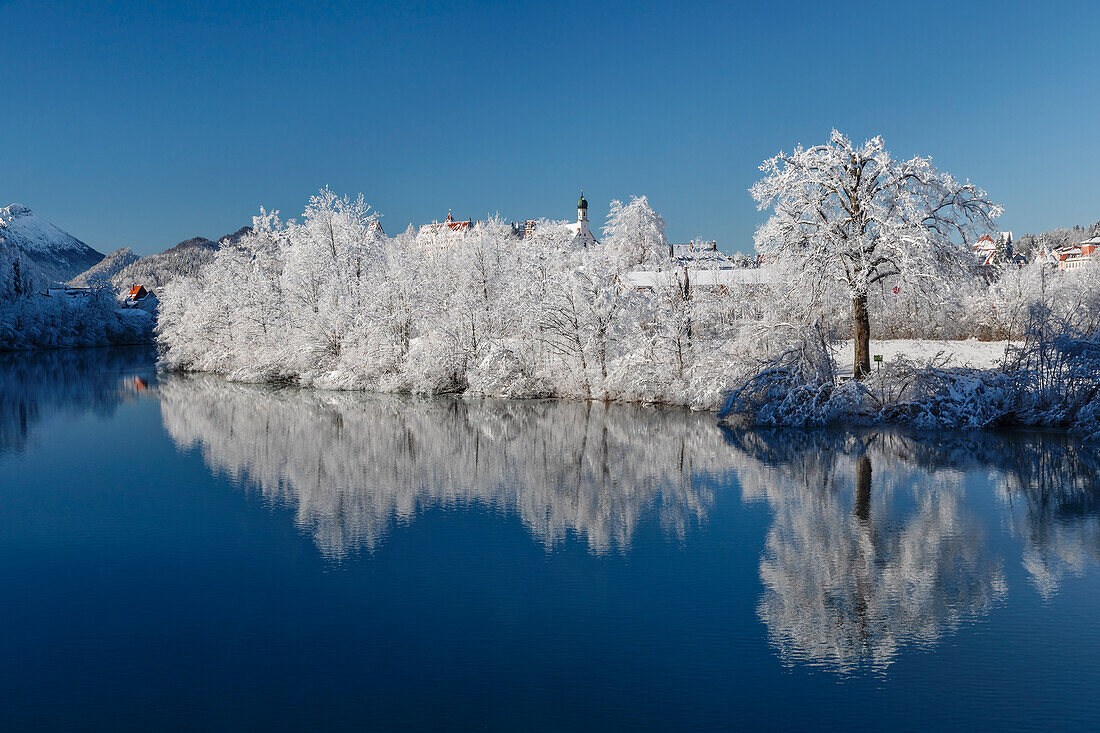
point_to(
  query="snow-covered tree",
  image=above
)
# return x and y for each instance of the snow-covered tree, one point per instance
(851, 215)
(637, 232)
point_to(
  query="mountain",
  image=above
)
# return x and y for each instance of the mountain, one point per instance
(232, 239)
(58, 255)
(102, 272)
(182, 260)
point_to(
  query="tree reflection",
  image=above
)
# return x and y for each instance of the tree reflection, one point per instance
(35, 385)
(866, 553)
(1050, 486)
(873, 546)
(351, 464)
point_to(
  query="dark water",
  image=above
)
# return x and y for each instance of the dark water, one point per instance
(190, 554)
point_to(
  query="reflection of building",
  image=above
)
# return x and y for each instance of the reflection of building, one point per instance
(40, 386)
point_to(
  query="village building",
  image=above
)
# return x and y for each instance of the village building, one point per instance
(997, 250)
(721, 280)
(135, 296)
(1072, 256)
(702, 256)
(582, 235)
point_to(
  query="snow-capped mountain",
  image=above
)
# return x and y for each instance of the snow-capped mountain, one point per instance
(58, 255)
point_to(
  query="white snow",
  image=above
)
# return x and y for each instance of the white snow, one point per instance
(968, 353)
(59, 255)
(700, 278)
(24, 228)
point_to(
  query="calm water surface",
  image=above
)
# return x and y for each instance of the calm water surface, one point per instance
(186, 553)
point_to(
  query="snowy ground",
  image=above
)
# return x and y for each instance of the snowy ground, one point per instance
(974, 353)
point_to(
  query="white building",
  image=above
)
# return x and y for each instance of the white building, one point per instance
(582, 235)
(1072, 256)
(997, 250)
(447, 227)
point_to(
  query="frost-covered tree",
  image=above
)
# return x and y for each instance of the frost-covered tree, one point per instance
(852, 216)
(637, 232)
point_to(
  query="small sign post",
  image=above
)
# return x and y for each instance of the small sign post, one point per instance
(881, 387)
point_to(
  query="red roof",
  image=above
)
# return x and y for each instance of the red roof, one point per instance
(448, 224)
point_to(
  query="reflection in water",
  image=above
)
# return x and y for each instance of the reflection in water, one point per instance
(1052, 490)
(34, 385)
(865, 554)
(875, 543)
(873, 547)
(352, 464)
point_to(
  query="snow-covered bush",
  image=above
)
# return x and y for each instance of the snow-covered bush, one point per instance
(796, 384)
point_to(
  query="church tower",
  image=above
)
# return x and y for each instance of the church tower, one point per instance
(584, 234)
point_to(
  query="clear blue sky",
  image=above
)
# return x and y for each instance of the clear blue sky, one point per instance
(141, 124)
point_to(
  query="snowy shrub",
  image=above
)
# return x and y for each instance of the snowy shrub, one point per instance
(503, 373)
(797, 386)
(1053, 379)
(938, 398)
(1059, 370)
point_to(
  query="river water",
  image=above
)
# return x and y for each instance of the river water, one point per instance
(184, 553)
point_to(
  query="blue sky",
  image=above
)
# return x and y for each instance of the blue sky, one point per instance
(141, 124)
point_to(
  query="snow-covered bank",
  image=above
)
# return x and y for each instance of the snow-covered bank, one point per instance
(1052, 379)
(956, 353)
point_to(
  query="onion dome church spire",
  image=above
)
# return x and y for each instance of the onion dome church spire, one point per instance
(583, 235)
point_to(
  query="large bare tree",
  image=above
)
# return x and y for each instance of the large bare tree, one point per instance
(853, 215)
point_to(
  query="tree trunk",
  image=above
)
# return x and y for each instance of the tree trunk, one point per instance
(863, 489)
(862, 365)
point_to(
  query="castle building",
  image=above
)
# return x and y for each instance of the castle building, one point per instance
(447, 226)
